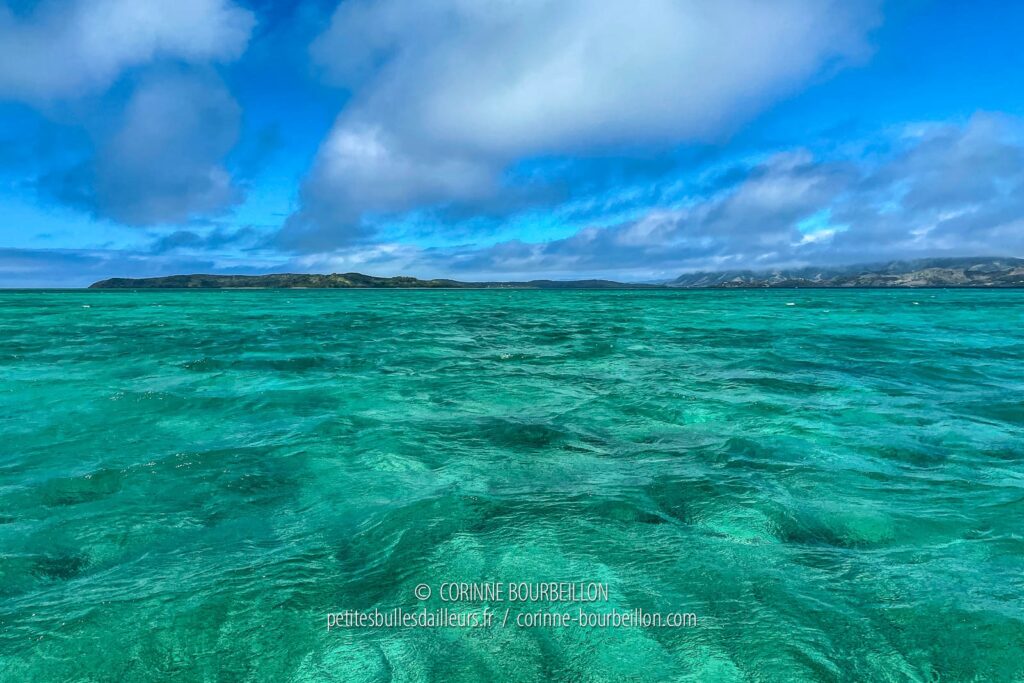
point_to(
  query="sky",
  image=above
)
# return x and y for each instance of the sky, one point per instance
(504, 140)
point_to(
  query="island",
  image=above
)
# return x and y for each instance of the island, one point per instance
(969, 272)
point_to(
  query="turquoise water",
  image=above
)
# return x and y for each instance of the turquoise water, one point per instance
(191, 481)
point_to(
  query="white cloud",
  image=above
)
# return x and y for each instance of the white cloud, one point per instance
(537, 76)
(458, 89)
(66, 49)
(358, 158)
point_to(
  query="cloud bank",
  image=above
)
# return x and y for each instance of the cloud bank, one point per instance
(937, 189)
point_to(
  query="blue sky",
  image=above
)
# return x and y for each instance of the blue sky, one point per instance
(504, 140)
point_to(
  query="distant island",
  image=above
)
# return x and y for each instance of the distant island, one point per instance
(980, 272)
(341, 281)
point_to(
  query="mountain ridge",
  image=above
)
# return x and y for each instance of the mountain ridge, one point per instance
(970, 271)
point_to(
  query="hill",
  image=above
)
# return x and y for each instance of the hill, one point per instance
(992, 272)
(338, 281)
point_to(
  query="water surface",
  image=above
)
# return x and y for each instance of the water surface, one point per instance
(833, 481)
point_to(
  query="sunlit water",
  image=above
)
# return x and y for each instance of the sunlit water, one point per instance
(832, 481)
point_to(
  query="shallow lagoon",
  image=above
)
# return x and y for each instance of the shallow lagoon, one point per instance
(191, 481)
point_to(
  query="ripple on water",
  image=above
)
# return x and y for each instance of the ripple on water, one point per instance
(190, 481)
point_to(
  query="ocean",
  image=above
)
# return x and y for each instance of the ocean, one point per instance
(349, 485)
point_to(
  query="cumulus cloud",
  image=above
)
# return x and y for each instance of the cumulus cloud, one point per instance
(360, 170)
(155, 143)
(66, 49)
(162, 161)
(447, 94)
